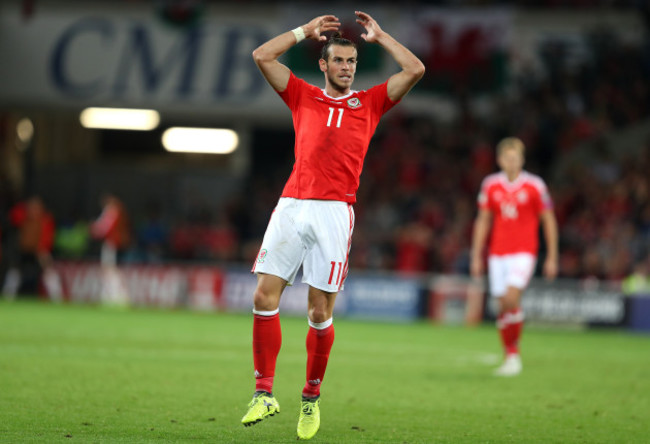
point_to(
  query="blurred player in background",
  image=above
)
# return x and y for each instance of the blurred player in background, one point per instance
(313, 221)
(113, 229)
(32, 263)
(514, 201)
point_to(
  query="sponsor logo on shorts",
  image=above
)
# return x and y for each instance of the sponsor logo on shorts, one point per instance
(261, 256)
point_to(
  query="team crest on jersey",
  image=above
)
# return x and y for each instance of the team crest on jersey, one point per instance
(261, 256)
(354, 102)
(522, 196)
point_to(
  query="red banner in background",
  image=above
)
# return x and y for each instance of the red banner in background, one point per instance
(462, 50)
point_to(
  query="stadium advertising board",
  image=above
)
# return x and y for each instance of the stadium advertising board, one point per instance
(455, 299)
(130, 58)
(143, 285)
(570, 301)
(204, 288)
(639, 312)
(383, 297)
(123, 54)
(448, 299)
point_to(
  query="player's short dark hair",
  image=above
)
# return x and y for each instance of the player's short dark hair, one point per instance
(335, 39)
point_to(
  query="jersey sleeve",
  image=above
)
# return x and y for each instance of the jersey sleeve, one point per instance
(291, 94)
(544, 199)
(483, 199)
(380, 100)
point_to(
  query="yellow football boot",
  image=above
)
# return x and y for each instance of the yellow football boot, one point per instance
(309, 420)
(261, 407)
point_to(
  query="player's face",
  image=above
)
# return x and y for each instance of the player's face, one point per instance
(340, 66)
(511, 161)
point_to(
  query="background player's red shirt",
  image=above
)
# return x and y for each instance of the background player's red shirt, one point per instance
(516, 207)
(332, 138)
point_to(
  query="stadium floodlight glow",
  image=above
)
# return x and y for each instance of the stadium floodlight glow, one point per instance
(120, 118)
(200, 140)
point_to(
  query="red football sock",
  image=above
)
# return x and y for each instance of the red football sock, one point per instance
(514, 331)
(510, 325)
(267, 340)
(319, 343)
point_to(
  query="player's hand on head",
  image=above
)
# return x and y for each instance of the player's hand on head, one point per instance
(316, 27)
(372, 27)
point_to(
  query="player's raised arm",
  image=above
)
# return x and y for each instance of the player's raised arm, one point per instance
(266, 56)
(412, 68)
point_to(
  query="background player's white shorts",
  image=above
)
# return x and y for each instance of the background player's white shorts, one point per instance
(313, 233)
(510, 270)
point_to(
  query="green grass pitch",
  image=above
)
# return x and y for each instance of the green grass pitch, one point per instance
(71, 373)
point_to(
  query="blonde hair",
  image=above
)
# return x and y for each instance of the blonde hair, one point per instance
(511, 143)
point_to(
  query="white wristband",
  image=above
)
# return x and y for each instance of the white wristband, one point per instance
(299, 33)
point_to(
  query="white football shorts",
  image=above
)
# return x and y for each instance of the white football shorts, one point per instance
(510, 270)
(313, 233)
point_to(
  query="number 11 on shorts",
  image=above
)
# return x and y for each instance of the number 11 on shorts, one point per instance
(335, 265)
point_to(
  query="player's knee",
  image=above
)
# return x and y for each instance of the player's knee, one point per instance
(264, 300)
(319, 314)
(509, 302)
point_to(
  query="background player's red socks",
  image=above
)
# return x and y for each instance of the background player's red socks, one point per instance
(515, 327)
(510, 325)
(319, 343)
(267, 340)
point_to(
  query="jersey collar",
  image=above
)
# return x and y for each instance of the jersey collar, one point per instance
(515, 183)
(352, 92)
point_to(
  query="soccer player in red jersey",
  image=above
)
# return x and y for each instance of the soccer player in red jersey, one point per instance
(514, 201)
(313, 221)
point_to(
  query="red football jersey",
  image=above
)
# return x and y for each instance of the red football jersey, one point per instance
(516, 207)
(332, 138)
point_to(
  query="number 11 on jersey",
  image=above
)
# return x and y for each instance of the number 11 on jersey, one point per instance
(338, 122)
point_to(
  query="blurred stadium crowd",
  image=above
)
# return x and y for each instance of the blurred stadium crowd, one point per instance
(416, 203)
